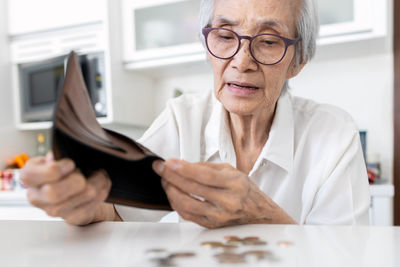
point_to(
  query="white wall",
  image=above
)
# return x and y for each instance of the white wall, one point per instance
(12, 142)
(356, 76)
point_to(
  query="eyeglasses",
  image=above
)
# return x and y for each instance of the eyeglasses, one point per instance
(266, 49)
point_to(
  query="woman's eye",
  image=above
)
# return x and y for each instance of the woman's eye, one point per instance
(225, 37)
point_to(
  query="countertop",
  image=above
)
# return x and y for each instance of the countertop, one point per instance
(37, 243)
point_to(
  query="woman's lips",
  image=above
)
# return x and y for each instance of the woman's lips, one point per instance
(243, 89)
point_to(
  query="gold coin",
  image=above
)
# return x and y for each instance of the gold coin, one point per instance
(232, 238)
(285, 244)
(212, 244)
(254, 243)
(228, 246)
(251, 238)
(229, 257)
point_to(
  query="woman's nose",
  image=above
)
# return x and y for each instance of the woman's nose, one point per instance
(243, 60)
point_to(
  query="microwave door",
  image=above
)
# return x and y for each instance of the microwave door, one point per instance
(39, 85)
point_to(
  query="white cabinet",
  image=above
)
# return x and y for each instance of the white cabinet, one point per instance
(27, 16)
(161, 32)
(165, 32)
(350, 20)
(87, 26)
(15, 206)
(381, 210)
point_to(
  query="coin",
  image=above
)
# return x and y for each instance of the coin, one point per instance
(228, 246)
(229, 257)
(212, 244)
(285, 244)
(232, 238)
(251, 238)
(258, 254)
(250, 242)
(181, 255)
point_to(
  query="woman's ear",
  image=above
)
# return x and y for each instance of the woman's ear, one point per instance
(294, 70)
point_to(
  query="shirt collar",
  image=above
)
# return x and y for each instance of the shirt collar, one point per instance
(279, 147)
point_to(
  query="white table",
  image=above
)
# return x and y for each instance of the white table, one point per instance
(42, 244)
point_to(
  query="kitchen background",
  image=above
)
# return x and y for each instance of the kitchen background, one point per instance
(353, 67)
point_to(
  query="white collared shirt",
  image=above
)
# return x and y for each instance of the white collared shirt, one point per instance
(312, 164)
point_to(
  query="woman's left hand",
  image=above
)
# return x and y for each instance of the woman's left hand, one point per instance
(216, 195)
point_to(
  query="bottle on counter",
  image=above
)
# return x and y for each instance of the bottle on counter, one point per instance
(41, 146)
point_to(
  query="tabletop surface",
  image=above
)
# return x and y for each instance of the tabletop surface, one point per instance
(36, 243)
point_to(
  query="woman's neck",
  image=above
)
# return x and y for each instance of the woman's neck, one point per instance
(249, 135)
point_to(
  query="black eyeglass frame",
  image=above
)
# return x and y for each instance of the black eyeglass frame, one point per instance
(288, 42)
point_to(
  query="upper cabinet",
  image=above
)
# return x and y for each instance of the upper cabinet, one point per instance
(351, 20)
(27, 16)
(166, 32)
(159, 32)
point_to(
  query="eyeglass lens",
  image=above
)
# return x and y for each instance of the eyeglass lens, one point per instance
(267, 49)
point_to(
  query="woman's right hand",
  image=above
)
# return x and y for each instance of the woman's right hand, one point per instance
(62, 191)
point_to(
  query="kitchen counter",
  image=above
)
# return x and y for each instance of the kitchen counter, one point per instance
(35, 243)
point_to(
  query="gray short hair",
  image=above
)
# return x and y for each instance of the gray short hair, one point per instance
(307, 27)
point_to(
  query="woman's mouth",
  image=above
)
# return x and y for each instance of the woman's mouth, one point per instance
(242, 88)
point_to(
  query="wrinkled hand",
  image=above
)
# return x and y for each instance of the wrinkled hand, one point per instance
(62, 191)
(216, 195)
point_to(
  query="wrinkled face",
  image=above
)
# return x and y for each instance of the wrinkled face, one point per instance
(243, 86)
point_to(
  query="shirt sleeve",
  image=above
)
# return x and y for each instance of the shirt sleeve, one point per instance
(343, 197)
(162, 139)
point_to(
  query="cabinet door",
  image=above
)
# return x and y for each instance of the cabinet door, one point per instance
(160, 29)
(26, 16)
(350, 18)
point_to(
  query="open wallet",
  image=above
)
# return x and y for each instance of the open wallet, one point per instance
(77, 135)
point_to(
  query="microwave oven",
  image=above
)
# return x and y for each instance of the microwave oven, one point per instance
(40, 83)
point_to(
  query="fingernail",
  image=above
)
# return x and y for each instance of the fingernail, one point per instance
(67, 166)
(49, 156)
(164, 182)
(173, 164)
(158, 167)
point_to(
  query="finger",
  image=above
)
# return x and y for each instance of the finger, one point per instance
(97, 190)
(38, 171)
(49, 156)
(198, 172)
(57, 192)
(199, 219)
(182, 202)
(158, 167)
(65, 208)
(216, 166)
(190, 186)
(85, 213)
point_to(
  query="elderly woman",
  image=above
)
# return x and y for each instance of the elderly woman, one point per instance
(249, 152)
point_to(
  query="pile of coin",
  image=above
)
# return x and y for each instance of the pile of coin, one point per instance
(163, 258)
(233, 250)
(234, 242)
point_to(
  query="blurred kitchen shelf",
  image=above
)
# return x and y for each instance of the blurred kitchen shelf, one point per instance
(383, 189)
(381, 206)
(14, 205)
(13, 198)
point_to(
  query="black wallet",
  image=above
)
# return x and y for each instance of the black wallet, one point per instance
(77, 135)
